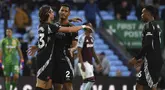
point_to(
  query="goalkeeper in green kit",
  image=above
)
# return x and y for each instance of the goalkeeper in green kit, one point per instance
(9, 50)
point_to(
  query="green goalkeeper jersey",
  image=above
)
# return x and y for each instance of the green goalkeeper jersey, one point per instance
(9, 51)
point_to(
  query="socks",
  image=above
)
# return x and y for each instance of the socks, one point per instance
(88, 86)
(7, 85)
(37, 88)
(13, 85)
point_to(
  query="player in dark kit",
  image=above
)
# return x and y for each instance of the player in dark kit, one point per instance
(66, 43)
(85, 53)
(46, 44)
(151, 52)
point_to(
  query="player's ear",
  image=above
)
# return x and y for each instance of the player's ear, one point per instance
(69, 12)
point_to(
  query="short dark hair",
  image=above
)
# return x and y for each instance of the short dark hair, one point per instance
(9, 29)
(66, 5)
(43, 13)
(150, 9)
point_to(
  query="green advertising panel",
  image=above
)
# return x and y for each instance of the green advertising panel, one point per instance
(128, 33)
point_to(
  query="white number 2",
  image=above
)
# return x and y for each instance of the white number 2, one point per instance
(41, 41)
(68, 74)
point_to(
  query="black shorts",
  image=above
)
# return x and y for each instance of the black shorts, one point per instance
(63, 71)
(147, 77)
(44, 66)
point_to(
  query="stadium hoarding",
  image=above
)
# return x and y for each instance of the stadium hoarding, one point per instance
(102, 83)
(128, 33)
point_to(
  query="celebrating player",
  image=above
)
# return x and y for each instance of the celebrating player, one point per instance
(47, 32)
(150, 52)
(8, 55)
(66, 43)
(85, 53)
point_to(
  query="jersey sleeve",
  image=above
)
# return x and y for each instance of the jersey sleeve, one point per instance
(148, 40)
(18, 43)
(81, 40)
(53, 28)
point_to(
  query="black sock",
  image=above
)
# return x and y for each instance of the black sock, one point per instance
(37, 88)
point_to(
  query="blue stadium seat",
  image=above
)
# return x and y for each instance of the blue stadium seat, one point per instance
(81, 13)
(115, 63)
(73, 12)
(112, 57)
(126, 73)
(112, 74)
(108, 17)
(103, 13)
(122, 68)
(108, 52)
(113, 68)
(131, 17)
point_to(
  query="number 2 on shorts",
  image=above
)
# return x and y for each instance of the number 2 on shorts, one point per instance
(67, 74)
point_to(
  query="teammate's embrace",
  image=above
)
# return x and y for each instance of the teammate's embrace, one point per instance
(150, 52)
(85, 53)
(47, 32)
(9, 48)
(66, 43)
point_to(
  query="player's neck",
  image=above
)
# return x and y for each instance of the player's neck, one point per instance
(87, 34)
(63, 21)
(9, 37)
(151, 19)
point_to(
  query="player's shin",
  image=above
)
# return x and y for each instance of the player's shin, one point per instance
(7, 85)
(13, 83)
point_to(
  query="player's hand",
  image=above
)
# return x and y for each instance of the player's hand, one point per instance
(32, 50)
(71, 50)
(99, 67)
(76, 20)
(83, 67)
(132, 62)
(85, 27)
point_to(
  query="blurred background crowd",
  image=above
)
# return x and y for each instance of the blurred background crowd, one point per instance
(22, 17)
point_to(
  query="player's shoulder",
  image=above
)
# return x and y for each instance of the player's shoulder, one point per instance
(81, 37)
(71, 24)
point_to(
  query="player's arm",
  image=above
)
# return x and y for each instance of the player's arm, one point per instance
(147, 47)
(73, 29)
(99, 67)
(56, 27)
(95, 56)
(74, 43)
(147, 42)
(80, 46)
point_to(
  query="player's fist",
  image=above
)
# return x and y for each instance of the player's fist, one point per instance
(99, 67)
(32, 50)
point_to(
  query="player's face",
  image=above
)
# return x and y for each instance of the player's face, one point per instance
(8, 32)
(145, 15)
(64, 12)
(51, 14)
(88, 30)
